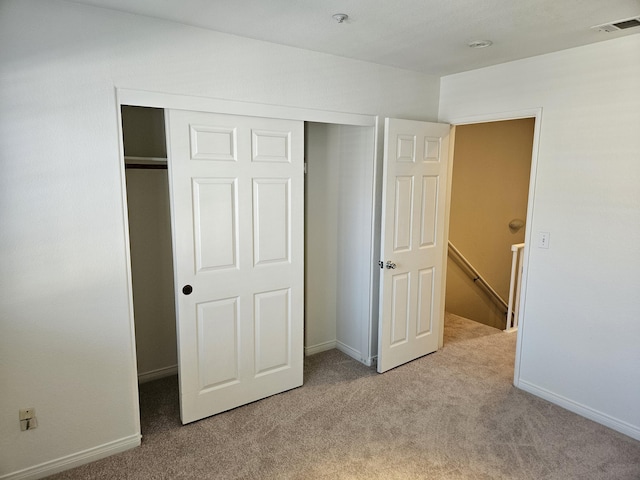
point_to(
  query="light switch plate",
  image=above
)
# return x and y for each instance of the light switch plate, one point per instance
(543, 239)
(27, 413)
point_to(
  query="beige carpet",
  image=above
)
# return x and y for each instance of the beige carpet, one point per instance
(459, 329)
(450, 415)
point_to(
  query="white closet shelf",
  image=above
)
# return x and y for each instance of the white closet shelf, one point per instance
(145, 160)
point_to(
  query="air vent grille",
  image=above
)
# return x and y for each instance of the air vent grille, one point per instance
(618, 25)
(634, 22)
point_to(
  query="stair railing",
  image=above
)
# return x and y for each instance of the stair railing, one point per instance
(514, 286)
(478, 279)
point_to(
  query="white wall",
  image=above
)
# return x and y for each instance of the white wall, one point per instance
(356, 319)
(339, 209)
(320, 237)
(66, 343)
(581, 334)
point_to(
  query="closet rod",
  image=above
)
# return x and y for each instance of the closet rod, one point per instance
(148, 166)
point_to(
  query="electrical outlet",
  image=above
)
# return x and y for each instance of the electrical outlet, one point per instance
(28, 419)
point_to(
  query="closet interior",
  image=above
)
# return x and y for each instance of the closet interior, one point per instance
(341, 272)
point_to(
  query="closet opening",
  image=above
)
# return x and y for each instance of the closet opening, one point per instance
(152, 279)
(341, 275)
(150, 241)
(341, 283)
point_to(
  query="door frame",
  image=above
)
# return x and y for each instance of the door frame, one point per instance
(141, 98)
(536, 114)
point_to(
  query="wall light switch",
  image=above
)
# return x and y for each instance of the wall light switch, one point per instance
(543, 239)
(28, 420)
(27, 413)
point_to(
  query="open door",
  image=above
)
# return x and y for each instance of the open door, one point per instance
(236, 189)
(413, 245)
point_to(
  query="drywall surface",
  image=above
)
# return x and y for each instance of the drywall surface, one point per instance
(321, 237)
(152, 271)
(490, 188)
(464, 298)
(338, 238)
(66, 343)
(355, 180)
(580, 331)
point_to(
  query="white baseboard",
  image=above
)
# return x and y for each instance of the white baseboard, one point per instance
(587, 412)
(74, 460)
(323, 347)
(157, 374)
(320, 347)
(352, 352)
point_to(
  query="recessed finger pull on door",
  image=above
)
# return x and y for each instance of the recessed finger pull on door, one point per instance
(390, 265)
(187, 289)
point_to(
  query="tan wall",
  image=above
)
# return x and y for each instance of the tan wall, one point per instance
(490, 188)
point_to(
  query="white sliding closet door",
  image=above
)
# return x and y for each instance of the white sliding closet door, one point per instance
(236, 186)
(413, 240)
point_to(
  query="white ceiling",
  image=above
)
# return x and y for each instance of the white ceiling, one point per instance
(428, 36)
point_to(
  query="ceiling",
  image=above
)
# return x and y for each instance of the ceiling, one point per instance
(428, 36)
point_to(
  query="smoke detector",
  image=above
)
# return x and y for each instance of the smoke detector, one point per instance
(340, 17)
(480, 43)
(618, 25)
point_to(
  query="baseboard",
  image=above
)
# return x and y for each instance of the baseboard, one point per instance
(74, 460)
(353, 353)
(587, 412)
(320, 347)
(157, 374)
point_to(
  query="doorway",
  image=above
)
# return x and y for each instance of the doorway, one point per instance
(492, 189)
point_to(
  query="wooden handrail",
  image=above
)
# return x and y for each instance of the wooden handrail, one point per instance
(478, 279)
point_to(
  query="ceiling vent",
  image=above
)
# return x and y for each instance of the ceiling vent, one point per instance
(619, 25)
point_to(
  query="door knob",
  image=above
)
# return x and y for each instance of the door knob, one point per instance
(187, 289)
(390, 265)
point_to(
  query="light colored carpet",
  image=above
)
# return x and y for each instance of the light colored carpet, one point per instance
(450, 415)
(459, 329)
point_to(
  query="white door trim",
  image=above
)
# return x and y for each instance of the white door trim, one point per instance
(497, 117)
(143, 98)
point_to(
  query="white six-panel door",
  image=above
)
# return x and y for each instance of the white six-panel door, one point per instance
(413, 240)
(236, 187)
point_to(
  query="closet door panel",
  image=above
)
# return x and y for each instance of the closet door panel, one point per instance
(215, 232)
(236, 187)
